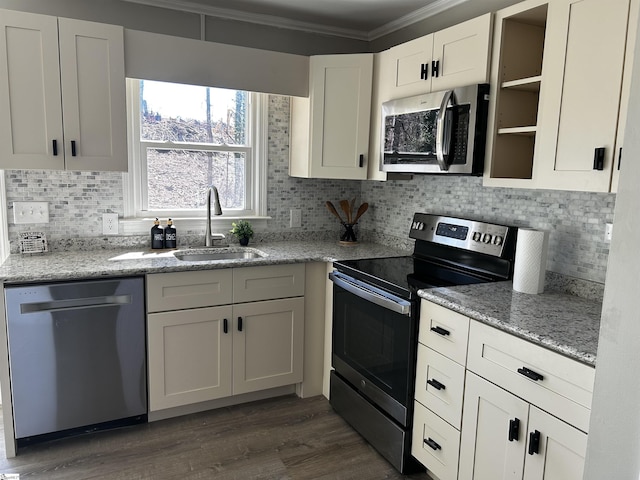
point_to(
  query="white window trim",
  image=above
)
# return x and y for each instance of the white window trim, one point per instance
(134, 223)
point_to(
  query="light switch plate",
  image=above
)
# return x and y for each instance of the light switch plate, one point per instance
(30, 212)
(295, 218)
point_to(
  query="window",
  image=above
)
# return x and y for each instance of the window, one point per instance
(185, 138)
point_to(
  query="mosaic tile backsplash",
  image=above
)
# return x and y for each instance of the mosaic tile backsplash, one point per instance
(576, 220)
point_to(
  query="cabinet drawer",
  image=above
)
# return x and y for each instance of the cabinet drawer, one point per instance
(444, 331)
(564, 389)
(180, 290)
(435, 443)
(443, 394)
(252, 284)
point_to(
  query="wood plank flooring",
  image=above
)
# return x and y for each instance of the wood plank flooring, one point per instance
(283, 438)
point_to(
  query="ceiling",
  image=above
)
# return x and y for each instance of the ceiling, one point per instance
(362, 19)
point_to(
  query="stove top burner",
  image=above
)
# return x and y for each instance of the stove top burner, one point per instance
(404, 276)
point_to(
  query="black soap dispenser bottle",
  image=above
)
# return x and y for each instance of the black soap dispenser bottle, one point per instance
(170, 238)
(157, 235)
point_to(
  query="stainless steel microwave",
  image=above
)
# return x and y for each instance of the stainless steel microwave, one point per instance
(440, 132)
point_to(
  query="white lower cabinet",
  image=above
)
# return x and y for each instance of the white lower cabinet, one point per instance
(213, 351)
(524, 412)
(506, 438)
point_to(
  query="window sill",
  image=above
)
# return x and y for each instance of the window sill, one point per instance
(141, 226)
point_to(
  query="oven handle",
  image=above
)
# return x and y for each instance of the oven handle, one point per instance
(371, 294)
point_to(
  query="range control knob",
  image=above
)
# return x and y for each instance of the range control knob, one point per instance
(486, 238)
(497, 240)
(477, 236)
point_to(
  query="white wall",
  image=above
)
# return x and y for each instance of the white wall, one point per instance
(613, 450)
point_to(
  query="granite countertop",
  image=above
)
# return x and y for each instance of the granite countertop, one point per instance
(129, 262)
(563, 323)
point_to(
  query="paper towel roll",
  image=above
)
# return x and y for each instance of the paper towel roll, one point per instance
(531, 260)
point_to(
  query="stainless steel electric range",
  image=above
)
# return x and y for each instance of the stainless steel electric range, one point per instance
(375, 322)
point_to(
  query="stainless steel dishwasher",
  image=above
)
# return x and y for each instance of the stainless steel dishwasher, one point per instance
(77, 356)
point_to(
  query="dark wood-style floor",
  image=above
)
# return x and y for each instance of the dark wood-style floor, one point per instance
(283, 438)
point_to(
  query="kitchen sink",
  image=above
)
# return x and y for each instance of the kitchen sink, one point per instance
(217, 254)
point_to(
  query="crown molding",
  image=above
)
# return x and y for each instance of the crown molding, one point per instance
(257, 18)
(434, 8)
(430, 10)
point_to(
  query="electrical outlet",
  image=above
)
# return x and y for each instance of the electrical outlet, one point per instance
(30, 212)
(295, 218)
(110, 223)
(608, 231)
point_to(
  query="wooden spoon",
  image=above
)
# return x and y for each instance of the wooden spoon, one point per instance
(361, 209)
(344, 205)
(333, 210)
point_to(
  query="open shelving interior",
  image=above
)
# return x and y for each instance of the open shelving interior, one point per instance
(520, 78)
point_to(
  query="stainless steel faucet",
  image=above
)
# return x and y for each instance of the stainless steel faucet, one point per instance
(209, 238)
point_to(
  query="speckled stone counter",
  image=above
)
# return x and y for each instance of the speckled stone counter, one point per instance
(128, 262)
(562, 323)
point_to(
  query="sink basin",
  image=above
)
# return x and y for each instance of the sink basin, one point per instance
(209, 254)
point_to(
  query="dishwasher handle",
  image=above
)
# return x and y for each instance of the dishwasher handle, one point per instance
(75, 303)
(371, 293)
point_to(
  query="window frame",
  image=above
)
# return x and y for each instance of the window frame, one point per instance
(136, 214)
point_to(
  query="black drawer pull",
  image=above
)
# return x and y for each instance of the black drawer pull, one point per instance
(534, 442)
(435, 68)
(530, 374)
(239, 324)
(55, 148)
(73, 148)
(440, 331)
(361, 160)
(225, 326)
(436, 384)
(514, 429)
(431, 442)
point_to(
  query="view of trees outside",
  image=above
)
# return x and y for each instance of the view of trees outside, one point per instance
(410, 132)
(204, 118)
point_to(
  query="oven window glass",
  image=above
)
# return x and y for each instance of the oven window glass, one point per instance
(375, 342)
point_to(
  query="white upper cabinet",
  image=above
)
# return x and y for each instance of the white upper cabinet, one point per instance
(585, 50)
(461, 56)
(62, 94)
(330, 129)
(452, 57)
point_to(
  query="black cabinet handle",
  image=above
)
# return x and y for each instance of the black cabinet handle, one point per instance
(530, 374)
(436, 384)
(239, 324)
(225, 326)
(440, 331)
(514, 429)
(361, 160)
(73, 148)
(435, 68)
(55, 148)
(534, 442)
(619, 158)
(598, 159)
(424, 71)
(432, 443)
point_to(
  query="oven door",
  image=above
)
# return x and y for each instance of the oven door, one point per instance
(374, 343)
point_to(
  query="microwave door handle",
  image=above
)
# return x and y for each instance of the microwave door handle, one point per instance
(443, 132)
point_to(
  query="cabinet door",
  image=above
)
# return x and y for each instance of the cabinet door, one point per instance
(494, 429)
(580, 102)
(561, 449)
(189, 356)
(268, 342)
(411, 67)
(30, 110)
(93, 95)
(461, 54)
